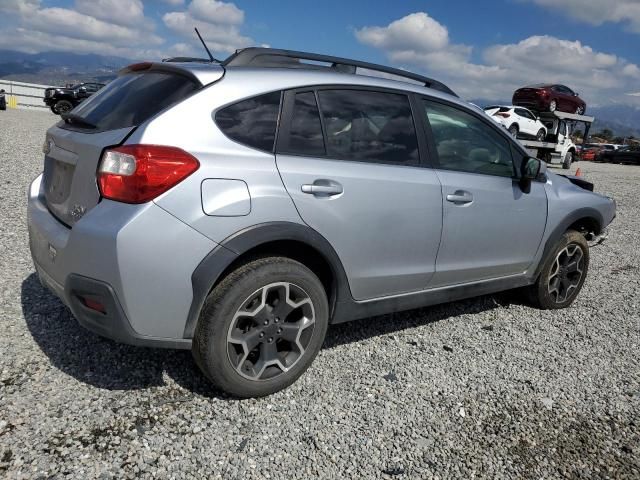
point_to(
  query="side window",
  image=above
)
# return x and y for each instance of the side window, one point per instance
(369, 126)
(466, 143)
(523, 113)
(305, 135)
(252, 122)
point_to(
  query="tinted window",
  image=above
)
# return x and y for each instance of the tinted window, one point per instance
(465, 143)
(369, 126)
(252, 122)
(305, 136)
(133, 98)
(524, 113)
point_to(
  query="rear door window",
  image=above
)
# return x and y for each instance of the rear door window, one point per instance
(252, 122)
(131, 99)
(369, 126)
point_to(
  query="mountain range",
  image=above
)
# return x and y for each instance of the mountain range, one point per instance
(60, 68)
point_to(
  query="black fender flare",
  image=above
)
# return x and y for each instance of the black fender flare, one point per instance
(563, 226)
(207, 273)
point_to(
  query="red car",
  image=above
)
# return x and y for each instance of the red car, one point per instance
(549, 98)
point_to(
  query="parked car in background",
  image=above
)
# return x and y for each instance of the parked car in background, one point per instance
(549, 98)
(3, 100)
(62, 100)
(519, 121)
(237, 211)
(625, 155)
(589, 152)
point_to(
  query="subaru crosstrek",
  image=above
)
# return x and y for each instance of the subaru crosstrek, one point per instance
(238, 208)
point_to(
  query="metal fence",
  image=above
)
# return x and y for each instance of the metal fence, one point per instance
(23, 95)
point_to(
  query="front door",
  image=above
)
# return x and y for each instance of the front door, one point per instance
(491, 229)
(355, 176)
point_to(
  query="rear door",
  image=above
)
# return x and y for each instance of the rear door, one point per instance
(355, 175)
(74, 147)
(491, 229)
(528, 121)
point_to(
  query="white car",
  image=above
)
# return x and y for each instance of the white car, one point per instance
(520, 122)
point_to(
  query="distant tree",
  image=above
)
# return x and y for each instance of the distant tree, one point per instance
(617, 140)
(578, 134)
(606, 133)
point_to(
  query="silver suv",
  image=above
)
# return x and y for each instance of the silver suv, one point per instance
(238, 209)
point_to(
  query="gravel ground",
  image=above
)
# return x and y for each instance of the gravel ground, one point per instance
(483, 388)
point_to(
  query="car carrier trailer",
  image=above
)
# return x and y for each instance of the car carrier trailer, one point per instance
(558, 148)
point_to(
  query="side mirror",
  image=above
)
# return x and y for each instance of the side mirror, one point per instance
(576, 94)
(82, 89)
(532, 169)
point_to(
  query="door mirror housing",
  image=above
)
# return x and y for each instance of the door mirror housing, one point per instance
(532, 169)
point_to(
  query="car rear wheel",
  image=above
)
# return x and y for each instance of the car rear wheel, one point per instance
(553, 106)
(540, 135)
(63, 106)
(580, 110)
(563, 273)
(568, 160)
(513, 130)
(261, 327)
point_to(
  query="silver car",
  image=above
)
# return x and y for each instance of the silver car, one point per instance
(238, 209)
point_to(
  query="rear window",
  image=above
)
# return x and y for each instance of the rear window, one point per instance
(131, 99)
(252, 122)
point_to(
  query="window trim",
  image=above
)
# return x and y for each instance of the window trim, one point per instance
(501, 131)
(287, 110)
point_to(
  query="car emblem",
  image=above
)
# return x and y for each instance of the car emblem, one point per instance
(77, 212)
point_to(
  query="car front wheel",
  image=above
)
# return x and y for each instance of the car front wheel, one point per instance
(541, 135)
(563, 273)
(62, 106)
(261, 327)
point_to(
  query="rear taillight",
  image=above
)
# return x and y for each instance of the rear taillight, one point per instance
(542, 93)
(502, 114)
(139, 173)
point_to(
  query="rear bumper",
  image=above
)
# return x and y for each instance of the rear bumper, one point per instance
(136, 260)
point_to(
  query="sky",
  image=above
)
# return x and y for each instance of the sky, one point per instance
(483, 49)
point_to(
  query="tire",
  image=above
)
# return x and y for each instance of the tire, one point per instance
(540, 136)
(234, 347)
(549, 293)
(567, 160)
(513, 130)
(63, 106)
(553, 106)
(53, 109)
(580, 110)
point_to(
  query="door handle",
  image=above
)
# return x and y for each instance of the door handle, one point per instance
(460, 197)
(325, 188)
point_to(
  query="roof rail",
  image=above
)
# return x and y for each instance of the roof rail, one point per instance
(272, 57)
(186, 60)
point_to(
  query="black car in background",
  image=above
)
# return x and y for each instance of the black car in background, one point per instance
(3, 100)
(62, 100)
(625, 155)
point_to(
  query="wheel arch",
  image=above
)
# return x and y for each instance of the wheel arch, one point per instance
(584, 220)
(299, 242)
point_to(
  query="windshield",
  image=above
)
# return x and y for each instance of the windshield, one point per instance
(132, 99)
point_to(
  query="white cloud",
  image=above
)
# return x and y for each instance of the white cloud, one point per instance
(213, 11)
(597, 12)
(418, 41)
(72, 24)
(174, 3)
(120, 12)
(109, 27)
(218, 22)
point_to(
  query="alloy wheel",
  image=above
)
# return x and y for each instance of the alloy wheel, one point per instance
(271, 331)
(566, 273)
(553, 106)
